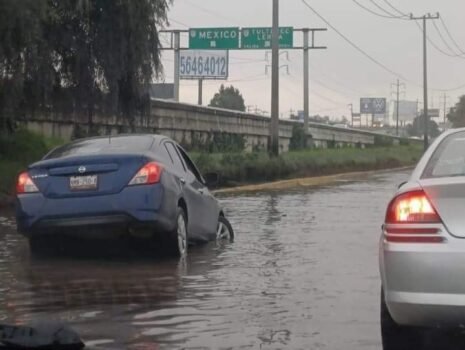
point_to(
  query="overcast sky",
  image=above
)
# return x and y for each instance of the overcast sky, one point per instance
(339, 75)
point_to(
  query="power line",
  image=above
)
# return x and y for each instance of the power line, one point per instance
(178, 22)
(428, 38)
(373, 12)
(433, 44)
(338, 90)
(336, 103)
(355, 46)
(213, 13)
(451, 89)
(387, 69)
(444, 40)
(395, 8)
(451, 37)
(318, 82)
(386, 11)
(323, 97)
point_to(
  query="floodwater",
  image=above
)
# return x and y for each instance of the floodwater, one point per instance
(301, 274)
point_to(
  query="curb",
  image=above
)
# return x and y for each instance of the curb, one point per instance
(312, 181)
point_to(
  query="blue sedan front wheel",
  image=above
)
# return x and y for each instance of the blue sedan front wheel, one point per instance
(178, 239)
(224, 231)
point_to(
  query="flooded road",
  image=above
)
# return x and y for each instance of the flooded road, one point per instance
(302, 274)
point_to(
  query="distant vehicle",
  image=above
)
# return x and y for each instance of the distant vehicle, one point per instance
(422, 248)
(104, 187)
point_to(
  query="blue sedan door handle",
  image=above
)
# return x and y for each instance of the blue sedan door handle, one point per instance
(201, 191)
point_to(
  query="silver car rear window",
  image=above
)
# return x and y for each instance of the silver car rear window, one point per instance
(448, 159)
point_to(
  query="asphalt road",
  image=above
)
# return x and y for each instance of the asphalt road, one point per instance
(302, 274)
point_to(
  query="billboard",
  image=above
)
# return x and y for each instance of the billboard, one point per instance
(370, 105)
(408, 111)
(204, 64)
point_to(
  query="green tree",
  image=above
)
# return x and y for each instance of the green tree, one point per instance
(25, 58)
(76, 55)
(418, 127)
(228, 98)
(457, 114)
(298, 139)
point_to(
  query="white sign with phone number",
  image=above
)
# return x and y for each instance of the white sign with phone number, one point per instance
(204, 64)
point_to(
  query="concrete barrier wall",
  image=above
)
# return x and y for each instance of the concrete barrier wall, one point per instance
(184, 123)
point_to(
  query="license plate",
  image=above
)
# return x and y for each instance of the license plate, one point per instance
(83, 183)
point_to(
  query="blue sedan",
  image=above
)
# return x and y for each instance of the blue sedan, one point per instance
(104, 187)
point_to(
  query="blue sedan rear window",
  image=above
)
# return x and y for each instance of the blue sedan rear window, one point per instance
(119, 144)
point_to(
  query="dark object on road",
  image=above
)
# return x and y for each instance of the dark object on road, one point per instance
(106, 187)
(50, 335)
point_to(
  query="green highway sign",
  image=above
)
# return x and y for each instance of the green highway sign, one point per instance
(214, 38)
(260, 38)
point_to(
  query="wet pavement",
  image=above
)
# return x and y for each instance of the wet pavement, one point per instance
(301, 274)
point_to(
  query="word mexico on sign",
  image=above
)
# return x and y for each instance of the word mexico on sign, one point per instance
(260, 38)
(372, 105)
(203, 64)
(214, 38)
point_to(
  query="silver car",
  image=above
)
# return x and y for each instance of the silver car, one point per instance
(422, 249)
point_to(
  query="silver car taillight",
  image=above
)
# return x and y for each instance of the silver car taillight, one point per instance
(408, 209)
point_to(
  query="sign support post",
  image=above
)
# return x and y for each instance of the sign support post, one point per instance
(177, 44)
(274, 125)
(200, 92)
(235, 38)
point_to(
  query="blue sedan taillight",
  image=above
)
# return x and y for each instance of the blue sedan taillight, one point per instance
(25, 184)
(150, 173)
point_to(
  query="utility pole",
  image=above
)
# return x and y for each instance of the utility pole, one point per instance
(425, 74)
(306, 48)
(351, 114)
(177, 54)
(398, 85)
(274, 125)
(397, 109)
(306, 85)
(200, 92)
(445, 97)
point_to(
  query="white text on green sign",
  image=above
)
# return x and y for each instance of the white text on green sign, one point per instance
(260, 38)
(214, 38)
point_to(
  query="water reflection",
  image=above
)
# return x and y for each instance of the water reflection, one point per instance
(302, 274)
